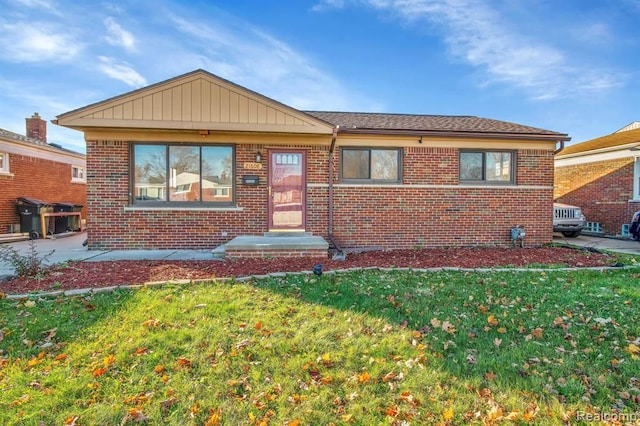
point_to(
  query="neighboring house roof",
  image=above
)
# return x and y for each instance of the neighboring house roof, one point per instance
(630, 126)
(614, 141)
(15, 137)
(383, 123)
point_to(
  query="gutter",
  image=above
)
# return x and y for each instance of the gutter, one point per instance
(560, 148)
(450, 133)
(330, 201)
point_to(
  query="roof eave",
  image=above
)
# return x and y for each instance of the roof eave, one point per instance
(628, 146)
(452, 133)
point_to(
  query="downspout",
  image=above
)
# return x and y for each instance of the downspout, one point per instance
(330, 201)
(561, 147)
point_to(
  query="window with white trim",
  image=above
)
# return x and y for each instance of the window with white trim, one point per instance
(4, 162)
(78, 174)
(488, 167)
(636, 179)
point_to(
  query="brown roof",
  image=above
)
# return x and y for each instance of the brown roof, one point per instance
(416, 124)
(610, 141)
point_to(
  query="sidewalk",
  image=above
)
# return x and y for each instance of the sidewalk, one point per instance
(71, 248)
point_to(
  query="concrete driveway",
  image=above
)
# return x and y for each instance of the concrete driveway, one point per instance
(621, 245)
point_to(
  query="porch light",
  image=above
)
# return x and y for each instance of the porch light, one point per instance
(258, 157)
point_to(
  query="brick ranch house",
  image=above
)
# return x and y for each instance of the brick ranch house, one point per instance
(602, 176)
(30, 167)
(358, 180)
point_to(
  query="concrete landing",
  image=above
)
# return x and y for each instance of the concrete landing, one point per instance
(276, 245)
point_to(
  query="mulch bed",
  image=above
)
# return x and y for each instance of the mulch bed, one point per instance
(77, 275)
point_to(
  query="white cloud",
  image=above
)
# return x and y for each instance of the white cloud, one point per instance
(118, 36)
(246, 55)
(481, 36)
(122, 71)
(36, 42)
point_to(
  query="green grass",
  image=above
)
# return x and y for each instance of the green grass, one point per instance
(357, 348)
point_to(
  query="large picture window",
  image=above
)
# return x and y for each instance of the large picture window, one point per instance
(371, 165)
(487, 167)
(182, 174)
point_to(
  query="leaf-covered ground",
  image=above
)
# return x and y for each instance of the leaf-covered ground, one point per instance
(103, 274)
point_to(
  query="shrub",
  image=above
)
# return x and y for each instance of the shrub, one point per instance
(31, 264)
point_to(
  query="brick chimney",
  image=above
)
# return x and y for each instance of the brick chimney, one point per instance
(37, 128)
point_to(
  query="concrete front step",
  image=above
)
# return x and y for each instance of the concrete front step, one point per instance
(273, 245)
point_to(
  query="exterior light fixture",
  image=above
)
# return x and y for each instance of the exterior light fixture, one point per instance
(420, 140)
(258, 157)
(203, 133)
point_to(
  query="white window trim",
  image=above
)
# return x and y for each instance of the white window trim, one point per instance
(636, 179)
(83, 179)
(4, 169)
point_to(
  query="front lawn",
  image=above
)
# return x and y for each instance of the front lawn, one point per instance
(361, 348)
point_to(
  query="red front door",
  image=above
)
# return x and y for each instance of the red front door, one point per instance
(287, 190)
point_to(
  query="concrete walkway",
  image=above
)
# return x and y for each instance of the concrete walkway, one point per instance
(71, 248)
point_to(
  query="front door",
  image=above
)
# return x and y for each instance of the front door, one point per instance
(287, 190)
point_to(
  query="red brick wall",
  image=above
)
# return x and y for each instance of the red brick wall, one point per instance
(425, 211)
(602, 189)
(36, 178)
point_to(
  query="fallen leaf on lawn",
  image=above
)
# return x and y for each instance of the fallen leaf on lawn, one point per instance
(435, 322)
(159, 369)
(137, 415)
(363, 377)
(482, 309)
(448, 327)
(70, 421)
(447, 414)
(391, 411)
(22, 400)
(497, 342)
(633, 349)
(151, 323)
(537, 333)
(109, 360)
(99, 371)
(490, 376)
(492, 321)
(295, 422)
(184, 362)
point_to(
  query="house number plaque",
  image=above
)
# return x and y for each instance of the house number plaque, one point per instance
(252, 166)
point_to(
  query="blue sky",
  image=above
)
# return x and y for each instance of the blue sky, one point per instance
(565, 65)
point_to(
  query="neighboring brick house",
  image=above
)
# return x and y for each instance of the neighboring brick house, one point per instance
(356, 179)
(602, 176)
(31, 167)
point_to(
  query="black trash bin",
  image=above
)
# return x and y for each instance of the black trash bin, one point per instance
(66, 223)
(30, 210)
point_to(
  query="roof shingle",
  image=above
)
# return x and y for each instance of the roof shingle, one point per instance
(432, 123)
